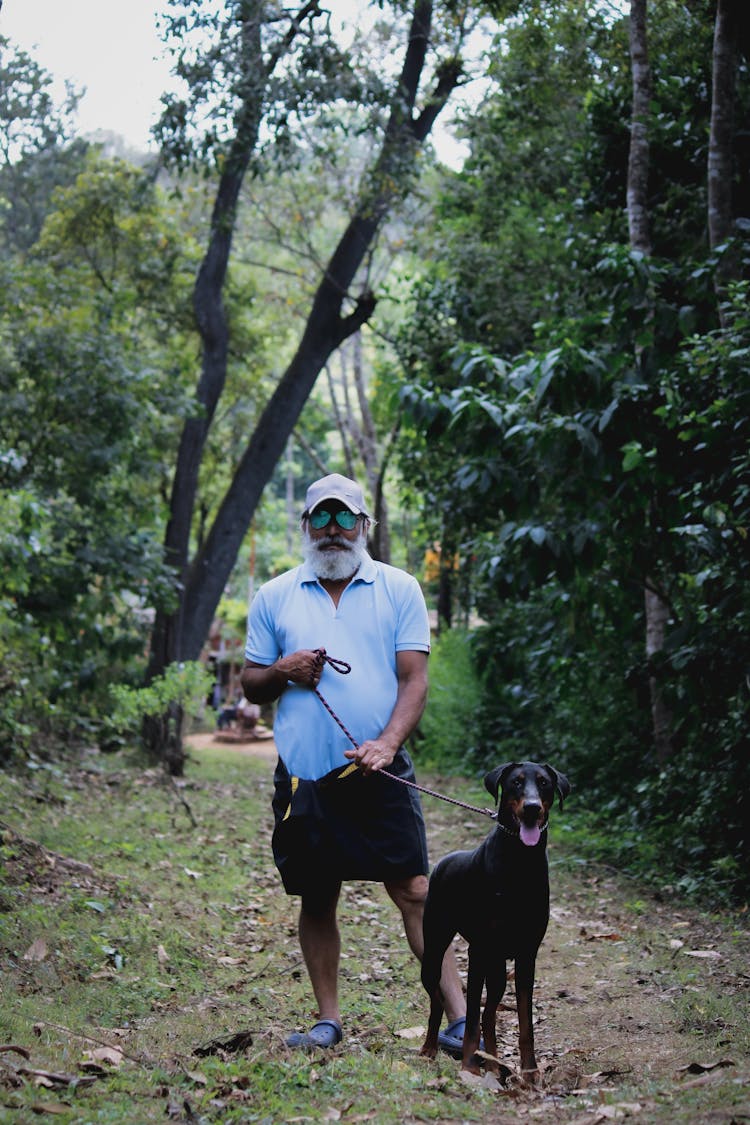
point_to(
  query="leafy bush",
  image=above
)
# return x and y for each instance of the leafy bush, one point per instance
(449, 728)
(181, 689)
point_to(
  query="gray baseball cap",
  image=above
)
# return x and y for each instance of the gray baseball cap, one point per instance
(336, 487)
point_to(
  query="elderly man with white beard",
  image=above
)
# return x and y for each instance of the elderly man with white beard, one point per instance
(337, 816)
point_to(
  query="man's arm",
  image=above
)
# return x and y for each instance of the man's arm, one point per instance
(263, 683)
(378, 753)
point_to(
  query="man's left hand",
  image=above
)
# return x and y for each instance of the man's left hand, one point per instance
(373, 755)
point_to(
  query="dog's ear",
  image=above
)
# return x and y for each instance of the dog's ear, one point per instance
(495, 779)
(560, 782)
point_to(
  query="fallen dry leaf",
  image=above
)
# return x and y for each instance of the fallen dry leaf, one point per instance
(51, 1107)
(14, 1047)
(707, 954)
(411, 1032)
(233, 1044)
(110, 1055)
(37, 951)
(161, 955)
(703, 1068)
(197, 1077)
(469, 1079)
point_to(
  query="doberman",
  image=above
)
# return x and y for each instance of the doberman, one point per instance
(497, 897)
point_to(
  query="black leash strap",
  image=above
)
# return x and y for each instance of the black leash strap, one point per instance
(344, 668)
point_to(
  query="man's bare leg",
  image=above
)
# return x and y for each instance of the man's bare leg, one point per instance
(320, 943)
(409, 896)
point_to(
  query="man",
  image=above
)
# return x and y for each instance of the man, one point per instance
(333, 822)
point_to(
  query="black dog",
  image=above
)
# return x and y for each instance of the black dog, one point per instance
(497, 897)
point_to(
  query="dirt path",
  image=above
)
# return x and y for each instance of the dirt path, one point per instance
(259, 747)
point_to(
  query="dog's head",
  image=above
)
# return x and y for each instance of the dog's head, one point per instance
(525, 792)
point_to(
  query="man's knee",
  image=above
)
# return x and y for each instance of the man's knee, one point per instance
(408, 893)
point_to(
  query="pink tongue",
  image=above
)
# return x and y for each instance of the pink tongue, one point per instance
(530, 836)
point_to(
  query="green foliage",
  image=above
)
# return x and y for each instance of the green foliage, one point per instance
(182, 687)
(36, 152)
(597, 442)
(604, 479)
(450, 726)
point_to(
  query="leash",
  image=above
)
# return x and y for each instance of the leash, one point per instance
(344, 669)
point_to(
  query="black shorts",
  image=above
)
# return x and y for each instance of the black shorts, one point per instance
(347, 827)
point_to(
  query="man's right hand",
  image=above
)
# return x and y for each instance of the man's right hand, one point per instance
(263, 683)
(302, 667)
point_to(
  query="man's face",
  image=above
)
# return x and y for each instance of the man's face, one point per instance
(334, 552)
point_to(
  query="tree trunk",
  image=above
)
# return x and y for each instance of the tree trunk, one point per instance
(211, 321)
(638, 156)
(656, 610)
(720, 217)
(180, 635)
(445, 583)
(657, 620)
(372, 458)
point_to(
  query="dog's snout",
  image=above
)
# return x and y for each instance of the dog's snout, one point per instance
(532, 811)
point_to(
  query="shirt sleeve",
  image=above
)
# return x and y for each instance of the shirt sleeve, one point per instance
(413, 624)
(262, 645)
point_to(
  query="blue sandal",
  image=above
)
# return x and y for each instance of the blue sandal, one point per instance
(452, 1039)
(324, 1033)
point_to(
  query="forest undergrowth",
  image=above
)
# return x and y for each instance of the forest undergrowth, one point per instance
(150, 971)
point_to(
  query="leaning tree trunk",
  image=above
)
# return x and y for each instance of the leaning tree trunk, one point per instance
(720, 218)
(325, 330)
(655, 607)
(162, 735)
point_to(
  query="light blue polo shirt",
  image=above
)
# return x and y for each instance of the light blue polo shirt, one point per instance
(381, 612)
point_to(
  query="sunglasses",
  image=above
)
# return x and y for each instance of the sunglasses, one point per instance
(345, 519)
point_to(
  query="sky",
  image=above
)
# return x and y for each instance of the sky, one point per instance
(112, 49)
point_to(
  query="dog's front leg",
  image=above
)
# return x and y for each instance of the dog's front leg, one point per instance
(474, 986)
(496, 981)
(525, 970)
(430, 1046)
(436, 941)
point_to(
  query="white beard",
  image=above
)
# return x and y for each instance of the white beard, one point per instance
(334, 565)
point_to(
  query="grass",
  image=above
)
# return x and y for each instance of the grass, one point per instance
(142, 926)
(126, 928)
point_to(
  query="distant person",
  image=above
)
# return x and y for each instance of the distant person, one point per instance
(247, 715)
(227, 715)
(334, 823)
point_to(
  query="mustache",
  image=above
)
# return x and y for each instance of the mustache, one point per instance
(337, 540)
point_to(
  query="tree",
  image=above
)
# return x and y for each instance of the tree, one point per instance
(37, 152)
(721, 169)
(656, 604)
(335, 311)
(611, 451)
(84, 416)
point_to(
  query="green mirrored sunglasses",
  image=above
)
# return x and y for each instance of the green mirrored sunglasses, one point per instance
(321, 518)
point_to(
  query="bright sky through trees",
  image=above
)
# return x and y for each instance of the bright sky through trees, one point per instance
(113, 51)
(110, 48)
